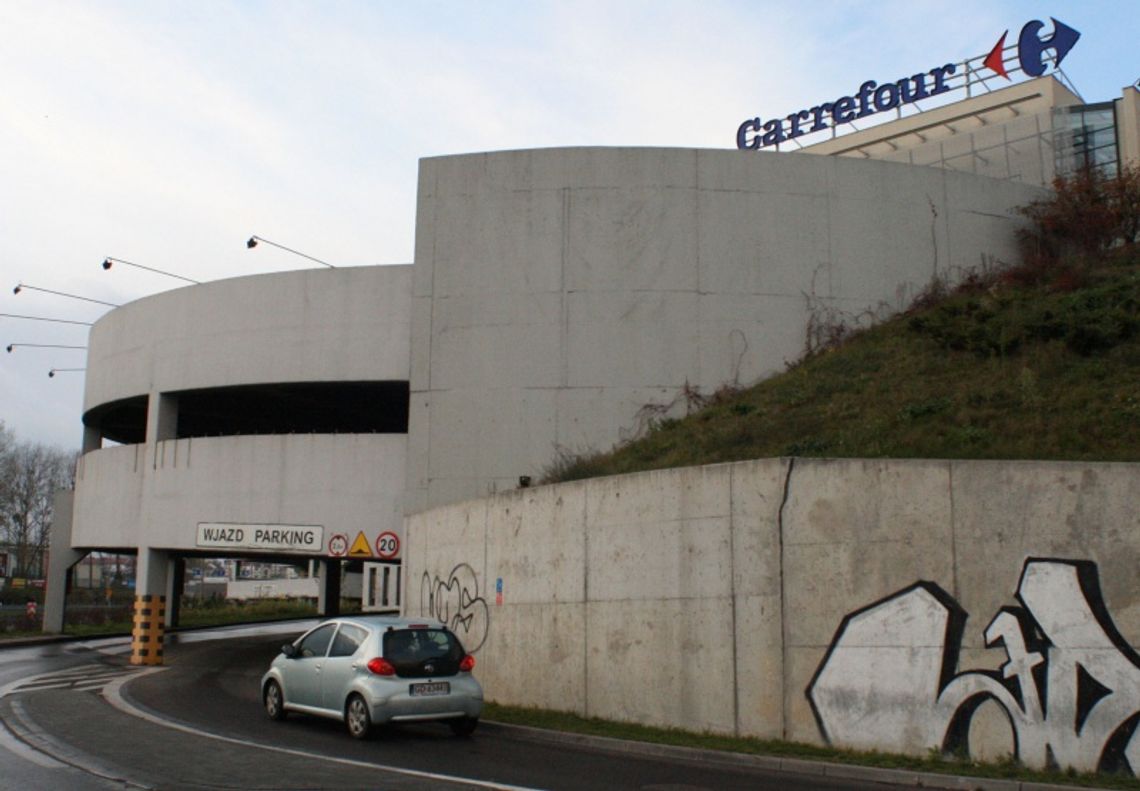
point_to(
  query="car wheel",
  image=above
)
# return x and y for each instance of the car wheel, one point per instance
(274, 701)
(357, 719)
(464, 726)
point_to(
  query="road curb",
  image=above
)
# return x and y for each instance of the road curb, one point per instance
(24, 642)
(46, 639)
(898, 777)
(35, 738)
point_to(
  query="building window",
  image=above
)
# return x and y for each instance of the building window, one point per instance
(1085, 137)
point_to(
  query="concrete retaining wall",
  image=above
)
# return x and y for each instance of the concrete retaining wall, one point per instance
(714, 597)
(561, 295)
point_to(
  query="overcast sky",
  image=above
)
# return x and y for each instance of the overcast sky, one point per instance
(166, 133)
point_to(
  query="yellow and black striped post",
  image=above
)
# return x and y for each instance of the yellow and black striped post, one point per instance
(148, 630)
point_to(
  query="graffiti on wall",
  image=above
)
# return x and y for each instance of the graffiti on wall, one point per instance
(456, 601)
(1069, 685)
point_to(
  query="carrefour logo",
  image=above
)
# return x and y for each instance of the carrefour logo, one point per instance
(873, 97)
(1031, 48)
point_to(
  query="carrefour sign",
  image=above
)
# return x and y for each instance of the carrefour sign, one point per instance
(873, 97)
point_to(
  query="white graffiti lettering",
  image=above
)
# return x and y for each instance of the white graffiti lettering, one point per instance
(1070, 683)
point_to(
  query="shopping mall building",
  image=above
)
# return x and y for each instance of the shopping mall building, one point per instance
(559, 300)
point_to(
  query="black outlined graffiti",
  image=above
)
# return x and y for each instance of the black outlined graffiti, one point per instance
(458, 604)
(1069, 686)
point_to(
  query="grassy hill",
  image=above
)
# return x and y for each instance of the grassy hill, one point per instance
(1041, 361)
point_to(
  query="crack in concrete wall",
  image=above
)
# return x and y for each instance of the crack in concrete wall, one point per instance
(706, 598)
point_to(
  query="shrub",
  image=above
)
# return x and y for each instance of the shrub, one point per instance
(1086, 215)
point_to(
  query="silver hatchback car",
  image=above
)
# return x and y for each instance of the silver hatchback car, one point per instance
(372, 670)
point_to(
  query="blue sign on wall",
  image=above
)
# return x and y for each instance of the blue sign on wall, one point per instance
(869, 99)
(873, 98)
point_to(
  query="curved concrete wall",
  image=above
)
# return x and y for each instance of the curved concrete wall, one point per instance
(155, 495)
(559, 292)
(327, 325)
(108, 501)
(844, 601)
(349, 324)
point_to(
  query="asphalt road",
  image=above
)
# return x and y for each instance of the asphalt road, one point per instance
(91, 721)
(21, 766)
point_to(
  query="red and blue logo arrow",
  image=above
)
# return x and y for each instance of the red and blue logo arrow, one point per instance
(1031, 47)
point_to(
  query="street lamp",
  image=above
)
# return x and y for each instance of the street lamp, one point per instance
(12, 346)
(109, 260)
(24, 286)
(55, 371)
(43, 318)
(253, 241)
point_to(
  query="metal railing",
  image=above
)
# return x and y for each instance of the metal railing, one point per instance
(970, 79)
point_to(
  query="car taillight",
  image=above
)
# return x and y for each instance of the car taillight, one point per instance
(381, 667)
(467, 663)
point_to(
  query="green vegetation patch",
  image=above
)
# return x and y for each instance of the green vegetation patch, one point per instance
(997, 371)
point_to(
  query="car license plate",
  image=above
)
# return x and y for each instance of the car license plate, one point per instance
(432, 688)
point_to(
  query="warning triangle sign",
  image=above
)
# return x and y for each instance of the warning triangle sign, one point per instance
(360, 548)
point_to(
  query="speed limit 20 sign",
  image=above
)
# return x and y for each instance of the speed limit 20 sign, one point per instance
(387, 545)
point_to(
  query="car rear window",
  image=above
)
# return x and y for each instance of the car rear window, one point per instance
(423, 652)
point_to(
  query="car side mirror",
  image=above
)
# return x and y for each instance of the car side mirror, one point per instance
(289, 650)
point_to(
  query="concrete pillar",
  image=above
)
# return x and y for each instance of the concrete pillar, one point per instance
(92, 438)
(328, 589)
(161, 418)
(149, 626)
(61, 558)
(321, 573)
(174, 590)
(1128, 127)
(151, 573)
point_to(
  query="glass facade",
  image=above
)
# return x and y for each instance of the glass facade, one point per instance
(1085, 136)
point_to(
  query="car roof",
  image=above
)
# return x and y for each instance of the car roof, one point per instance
(385, 621)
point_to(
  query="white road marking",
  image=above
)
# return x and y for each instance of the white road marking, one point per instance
(114, 695)
(73, 677)
(109, 646)
(83, 678)
(89, 686)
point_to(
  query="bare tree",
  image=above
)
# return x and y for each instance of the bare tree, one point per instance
(30, 473)
(6, 441)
